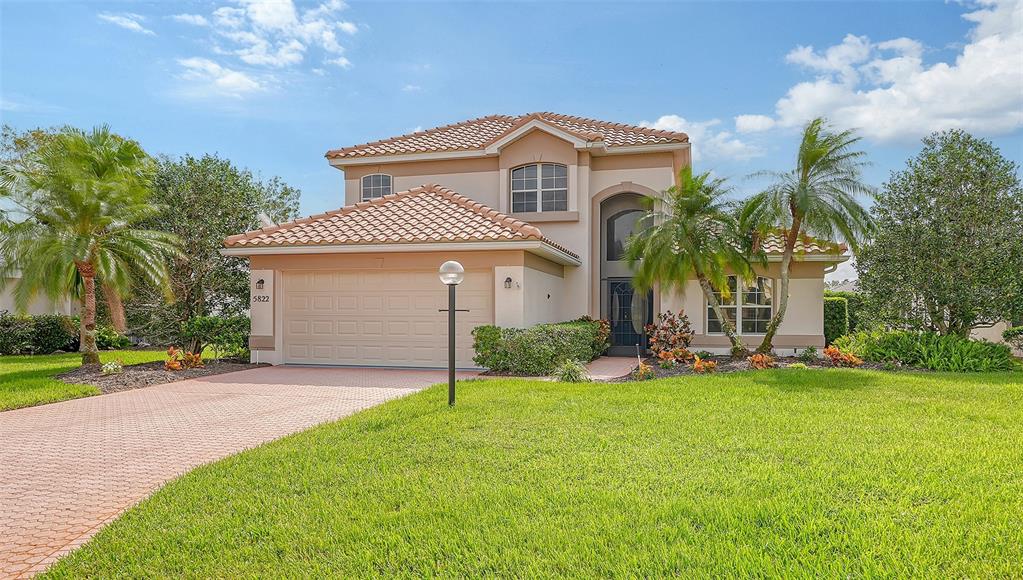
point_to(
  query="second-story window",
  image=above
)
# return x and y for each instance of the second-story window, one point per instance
(539, 187)
(376, 185)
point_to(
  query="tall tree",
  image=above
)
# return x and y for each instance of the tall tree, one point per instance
(81, 196)
(690, 231)
(948, 253)
(816, 198)
(204, 200)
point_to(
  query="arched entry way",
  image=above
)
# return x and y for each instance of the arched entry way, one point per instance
(627, 310)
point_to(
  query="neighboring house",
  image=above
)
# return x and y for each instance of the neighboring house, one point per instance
(994, 332)
(536, 207)
(41, 305)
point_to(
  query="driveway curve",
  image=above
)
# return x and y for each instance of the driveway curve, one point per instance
(68, 468)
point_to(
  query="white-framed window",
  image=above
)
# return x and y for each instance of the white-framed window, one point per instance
(748, 307)
(539, 187)
(376, 185)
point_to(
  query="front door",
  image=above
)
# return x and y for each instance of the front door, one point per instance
(628, 314)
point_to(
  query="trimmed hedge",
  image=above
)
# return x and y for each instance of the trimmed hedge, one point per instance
(836, 318)
(40, 334)
(855, 305)
(928, 350)
(228, 335)
(537, 351)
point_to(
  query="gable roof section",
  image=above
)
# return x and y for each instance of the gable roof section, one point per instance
(477, 134)
(424, 215)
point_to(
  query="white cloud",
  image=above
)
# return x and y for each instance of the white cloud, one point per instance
(193, 19)
(707, 143)
(128, 21)
(209, 78)
(411, 89)
(276, 33)
(753, 123)
(340, 61)
(886, 91)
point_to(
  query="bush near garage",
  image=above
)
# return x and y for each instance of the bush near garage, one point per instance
(539, 350)
(928, 350)
(1014, 336)
(227, 335)
(836, 318)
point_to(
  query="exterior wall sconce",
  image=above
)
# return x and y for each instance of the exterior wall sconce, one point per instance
(259, 284)
(507, 282)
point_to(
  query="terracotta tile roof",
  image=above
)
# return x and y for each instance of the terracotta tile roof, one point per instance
(478, 133)
(774, 243)
(423, 215)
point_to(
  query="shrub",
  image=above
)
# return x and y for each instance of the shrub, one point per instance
(109, 339)
(836, 318)
(855, 306)
(675, 355)
(761, 361)
(537, 351)
(227, 335)
(53, 332)
(703, 354)
(671, 332)
(928, 350)
(667, 364)
(114, 367)
(798, 365)
(704, 366)
(809, 355)
(15, 333)
(173, 362)
(192, 360)
(643, 372)
(571, 371)
(1014, 336)
(840, 358)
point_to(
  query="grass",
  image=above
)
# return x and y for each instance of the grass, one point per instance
(772, 473)
(29, 380)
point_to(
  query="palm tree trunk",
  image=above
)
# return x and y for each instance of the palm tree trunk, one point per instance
(116, 307)
(766, 345)
(726, 326)
(90, 353)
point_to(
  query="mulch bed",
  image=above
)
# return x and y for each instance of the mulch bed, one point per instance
(727, 364)
(148, 374)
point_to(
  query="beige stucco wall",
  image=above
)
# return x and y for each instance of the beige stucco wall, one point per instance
(994, 334)
(38, 306)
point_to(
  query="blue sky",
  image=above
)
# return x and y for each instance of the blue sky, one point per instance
(273, 85)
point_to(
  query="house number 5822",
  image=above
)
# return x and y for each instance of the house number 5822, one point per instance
(261, 298)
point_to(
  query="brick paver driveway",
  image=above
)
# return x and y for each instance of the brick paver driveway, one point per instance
(68, 468)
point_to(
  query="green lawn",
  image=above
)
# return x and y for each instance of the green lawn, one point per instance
(777, 473)
(28, 380)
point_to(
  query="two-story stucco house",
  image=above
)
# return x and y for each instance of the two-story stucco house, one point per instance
(536, 207)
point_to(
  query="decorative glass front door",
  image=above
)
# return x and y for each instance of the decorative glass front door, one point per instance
(628, 314)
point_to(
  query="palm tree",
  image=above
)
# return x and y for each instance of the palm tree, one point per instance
(690, 231)
(816, 198)
(79, 196)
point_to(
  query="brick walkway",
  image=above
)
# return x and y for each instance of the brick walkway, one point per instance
(66, 469)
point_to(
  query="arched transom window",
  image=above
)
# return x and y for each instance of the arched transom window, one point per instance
(539, 187)
(376, 185)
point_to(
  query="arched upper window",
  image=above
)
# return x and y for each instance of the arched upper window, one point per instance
(376, 185)
(539, 187)
(620, 227)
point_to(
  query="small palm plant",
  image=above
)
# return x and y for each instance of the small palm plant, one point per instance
(691, 231)
(77, 199)
(817, 198)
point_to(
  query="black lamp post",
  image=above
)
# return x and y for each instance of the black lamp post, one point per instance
(451, 274)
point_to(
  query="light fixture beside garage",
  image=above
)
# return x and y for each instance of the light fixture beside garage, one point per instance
(451, 274)
(507, 282)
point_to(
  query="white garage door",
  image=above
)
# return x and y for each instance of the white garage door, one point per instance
(379, 318)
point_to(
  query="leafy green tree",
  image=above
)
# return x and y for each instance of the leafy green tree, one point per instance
(204, 200)
(691, 231)
(948, 254)
(817, 198)
(80, 198)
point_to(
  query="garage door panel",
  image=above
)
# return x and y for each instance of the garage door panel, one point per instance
(355, 317)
